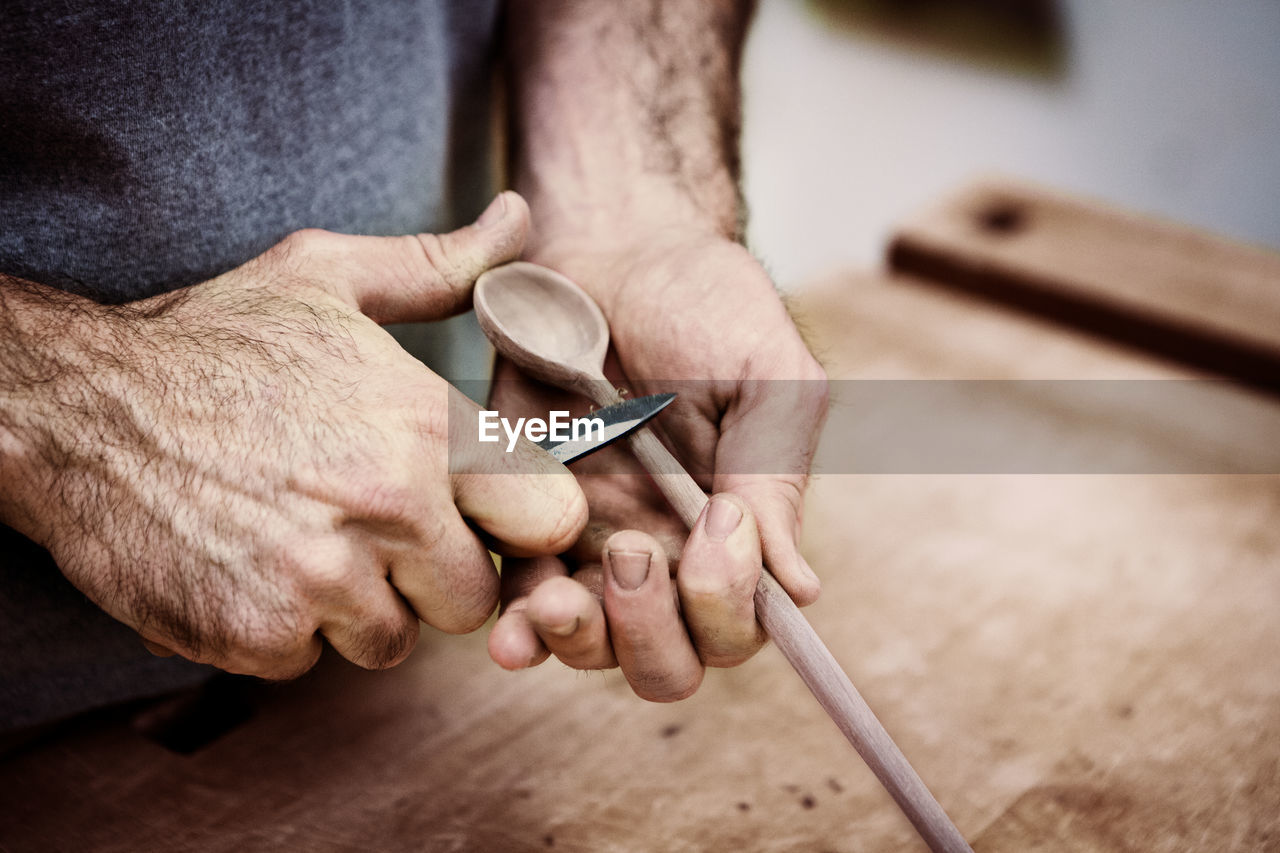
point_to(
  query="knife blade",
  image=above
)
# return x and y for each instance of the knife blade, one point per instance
(614, 422)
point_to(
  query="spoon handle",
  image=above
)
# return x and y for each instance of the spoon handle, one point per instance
(811, 658)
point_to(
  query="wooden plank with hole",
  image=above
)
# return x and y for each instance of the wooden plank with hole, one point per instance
(1166, 288)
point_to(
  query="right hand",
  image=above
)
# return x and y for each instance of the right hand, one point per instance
(240, 467)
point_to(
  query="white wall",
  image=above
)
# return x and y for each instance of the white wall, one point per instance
(1167, 107)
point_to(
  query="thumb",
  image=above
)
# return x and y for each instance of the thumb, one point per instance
(417, 277)
(512, 490)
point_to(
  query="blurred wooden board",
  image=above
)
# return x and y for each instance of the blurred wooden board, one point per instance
(1114, 682)
(1071, 662)
(1167, 288)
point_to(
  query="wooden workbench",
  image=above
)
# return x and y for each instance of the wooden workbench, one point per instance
(1072, 662)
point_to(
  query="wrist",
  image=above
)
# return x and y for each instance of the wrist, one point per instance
(622, 271)
(609, 216)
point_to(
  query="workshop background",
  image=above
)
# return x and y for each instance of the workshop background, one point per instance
(859, 113)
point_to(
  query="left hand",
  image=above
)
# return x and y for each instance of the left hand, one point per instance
(697, 308)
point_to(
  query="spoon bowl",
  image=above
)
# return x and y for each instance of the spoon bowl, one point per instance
(544, 323)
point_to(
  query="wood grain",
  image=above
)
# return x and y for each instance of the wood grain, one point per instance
(1188, 295)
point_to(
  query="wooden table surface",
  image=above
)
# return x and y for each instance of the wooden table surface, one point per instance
(1072, 662)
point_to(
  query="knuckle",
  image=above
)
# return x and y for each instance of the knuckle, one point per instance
(445, 262)
(326, 568)
(457, 620)
(303, 241)
(730, 644)
(278, 636)
(433, 418)
(813, 371)
(293, 259)
(275, 648)
(714, 575)
(726, 584)
(663, 687)
(586, 657)
(292, 666)
(471, 603)
(817, 392)
(389, 644)
(683, 690)
(296, 247)
(552, 589)
(721, 658)
(387, 496)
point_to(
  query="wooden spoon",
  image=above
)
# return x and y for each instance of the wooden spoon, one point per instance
(552, 330)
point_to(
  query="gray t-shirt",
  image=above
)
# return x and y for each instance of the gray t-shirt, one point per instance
(146, 146)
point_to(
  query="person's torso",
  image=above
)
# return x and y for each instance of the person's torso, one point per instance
(150, 145)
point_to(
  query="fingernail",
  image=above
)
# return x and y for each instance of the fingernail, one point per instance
(563, 630)
(629, 568)
(723, 518)
(495, 212)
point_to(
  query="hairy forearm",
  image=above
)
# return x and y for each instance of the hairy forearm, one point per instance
(43, 344)
(626, 116)
(27, 323)
(71, 370)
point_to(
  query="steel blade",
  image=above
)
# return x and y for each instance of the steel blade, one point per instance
(618, 420)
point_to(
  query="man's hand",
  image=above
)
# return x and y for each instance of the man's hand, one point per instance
(686, 308)
(240, 467)
(625, 121)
